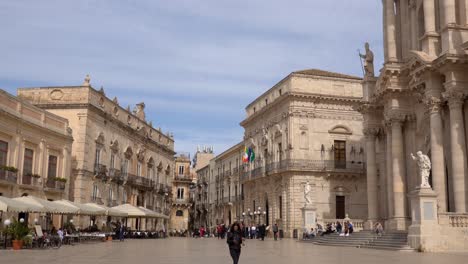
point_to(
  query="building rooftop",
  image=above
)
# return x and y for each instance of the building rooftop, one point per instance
(317, 72)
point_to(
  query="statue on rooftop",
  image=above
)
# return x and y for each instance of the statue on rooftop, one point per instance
(87, 80)
(368, 61)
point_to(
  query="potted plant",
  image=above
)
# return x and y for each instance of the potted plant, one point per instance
(19, 232)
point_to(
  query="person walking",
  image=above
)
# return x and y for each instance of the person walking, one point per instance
(275, 231)
(234, 241)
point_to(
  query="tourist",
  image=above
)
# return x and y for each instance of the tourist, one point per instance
(319, 229)
(350, 228)
(234, 240)
(379, 229)
(275, 231)
(329, 230)
(262, 231)
(60, 234)
(312, 233)
(338, 227)
(253, 232)
(346, 228)
(121, 232)
(202, 231)
(218, 231)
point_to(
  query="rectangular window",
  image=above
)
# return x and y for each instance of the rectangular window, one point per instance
(139, 169)
(180, 193)
(340, 154)
(280, 92)
(3, 153)
(111, 194)
(98, 156)
(181, 170)
(52, 167)
(95, 192)
(125, 167)
(28, 161)
(112, 161)
(280, 152)
(280, 202)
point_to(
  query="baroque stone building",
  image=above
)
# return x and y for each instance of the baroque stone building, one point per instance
(305, 129)
(117, 156)
(181, 200)
(418, 103)
(35, 151)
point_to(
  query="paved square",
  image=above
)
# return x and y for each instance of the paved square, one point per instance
(211, 251)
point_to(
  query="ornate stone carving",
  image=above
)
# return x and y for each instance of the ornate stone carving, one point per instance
(424, 164)
(141, 154)
(395, 116)
(307, 193)
(115, 100)
(454, 97)
(371, 131)
(56, 94)
(434, 103)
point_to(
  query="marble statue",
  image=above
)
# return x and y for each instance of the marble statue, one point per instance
(424, 164)
(139, 111)
(87, 80)
(307, 193)
(368, 61)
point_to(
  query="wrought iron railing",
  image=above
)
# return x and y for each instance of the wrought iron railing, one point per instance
(183, 178)
(8, 176)
(100, 170)
(97, 200)
(52, 183)
(139, 181)
(331, 166)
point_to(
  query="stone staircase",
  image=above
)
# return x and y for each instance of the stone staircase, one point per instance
(365, 239)
(390, 241)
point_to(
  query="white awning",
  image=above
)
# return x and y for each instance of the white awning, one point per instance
(108, 211)
(10, 205)
(82, 209)
(134, 211)
(47, 206)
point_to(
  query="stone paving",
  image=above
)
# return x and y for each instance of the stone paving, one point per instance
(213, 251)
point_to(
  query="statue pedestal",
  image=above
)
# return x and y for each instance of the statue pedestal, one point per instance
(309, 216)
(368, 87)
(424, 229)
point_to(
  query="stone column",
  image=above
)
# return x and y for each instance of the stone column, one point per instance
(458, 148)
(449, 12)
(429, 16)
(399, 177)
(437, 153)
(389, 174)
(372, 200)
(384, 23)
(390, 30)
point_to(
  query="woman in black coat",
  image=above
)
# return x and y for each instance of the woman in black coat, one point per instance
(234, 240)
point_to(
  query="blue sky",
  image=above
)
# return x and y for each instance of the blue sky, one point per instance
(195, 64)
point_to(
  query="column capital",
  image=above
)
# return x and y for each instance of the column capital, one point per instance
(371, 132)
(395, 117)
(434, 103)
(455, 98)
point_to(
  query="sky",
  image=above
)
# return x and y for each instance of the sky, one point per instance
(195, 64)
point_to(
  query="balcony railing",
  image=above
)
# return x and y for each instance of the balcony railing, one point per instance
(97, 200)
(8, 176)
(112, 203)
(331, 166)
(100, 171)
(138, 181)
(53, 184)
(184, 178)
(116, 176)
(28, 179)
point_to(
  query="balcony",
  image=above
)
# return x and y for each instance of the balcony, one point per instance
(53, 184)
(183, 178)
(97, 200)
(9, 177)
(31, 179)
(329, 166)
(100, 171)
(227, 173)
(116, 176)
(235, 170)
(139, 182)
(112, 203)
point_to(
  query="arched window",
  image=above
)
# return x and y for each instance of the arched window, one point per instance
(179, 213)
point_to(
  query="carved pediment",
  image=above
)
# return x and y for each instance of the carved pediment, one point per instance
(340, 129)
